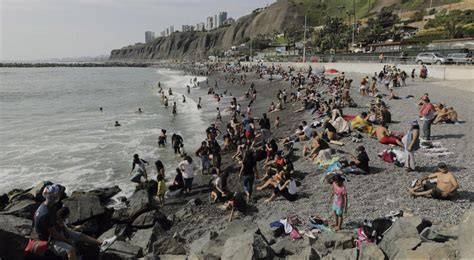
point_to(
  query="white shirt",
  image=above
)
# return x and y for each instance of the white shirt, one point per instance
(188, 169)
(292, 187)
(307, 131)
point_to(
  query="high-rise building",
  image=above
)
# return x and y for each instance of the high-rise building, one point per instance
(221, 17)
(215, 22)
(200, 27)
(187, 28)
(171, 29)
(209, 25)
(149, 36)
(167, 32)
(163, 34)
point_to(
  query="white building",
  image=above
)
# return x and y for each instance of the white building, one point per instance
(210, 24)
(163, 34)
(149, 36)
(200, 27)
(187, 28)
(229, 21)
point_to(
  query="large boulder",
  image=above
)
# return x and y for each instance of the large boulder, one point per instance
(339, 240)
(308, 253)
(347, 254)
(142, 238)
(246, 246)
(213, 245)
(3, 201)
(371, 252)
(23, 209)
(121, 250)
(284, 247)
(168, 246)
(145, 220)
(105, 194)
(83, 207)
(429, 251)
(466, 235)
(400, 246)
(406, 227)
(140, 202)
(267, 232)
(13, 236)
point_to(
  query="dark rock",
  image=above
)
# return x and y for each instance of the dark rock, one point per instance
(246, 246)
(105, 194)
(405, 227)
(348, 254)
(168, 257)
(139, 203)
(145, 220)
(83, 207)
(23, 209)
(338, 240)
(194, 202)
(401, 246)
(466, 235)
(429, 251)
(21, 197)
(168, 246)
(371, 252)
(267, 232)
(121, 215)
(284, 247)
(13, 194)
(120, 230)
(308, 253)
(121, 250)
(142, 239)
(13, 236)
(98, 224)
(3, 201)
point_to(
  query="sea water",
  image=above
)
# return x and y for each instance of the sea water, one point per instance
(51, 127)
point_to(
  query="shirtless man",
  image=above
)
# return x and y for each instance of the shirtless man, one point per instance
(384, 136)
(445, 184)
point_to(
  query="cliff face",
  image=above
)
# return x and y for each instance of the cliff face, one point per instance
(199, 45)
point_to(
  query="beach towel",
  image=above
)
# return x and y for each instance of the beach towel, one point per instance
(348, 117)
(341, 125)
(334, 166)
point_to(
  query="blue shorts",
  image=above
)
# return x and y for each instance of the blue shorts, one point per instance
(337, 210)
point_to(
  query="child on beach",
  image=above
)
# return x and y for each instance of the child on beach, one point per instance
(277, 121)
(161, 189)
(339, 200)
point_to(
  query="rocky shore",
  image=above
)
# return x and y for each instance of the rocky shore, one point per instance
(193, 228)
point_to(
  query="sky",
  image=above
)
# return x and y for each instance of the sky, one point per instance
(44, 29)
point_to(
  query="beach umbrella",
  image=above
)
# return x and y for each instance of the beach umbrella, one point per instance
(332, 71)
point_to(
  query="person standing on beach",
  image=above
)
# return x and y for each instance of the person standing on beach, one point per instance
(166, 101)
(339, 201)
(265, 129)
(184, 99)
(411, 142)
(219, 116)
(199, 103)
(248, 173)
(188, 89)
(170, 92)
(203, 153)
(427, 114)
(188, 167)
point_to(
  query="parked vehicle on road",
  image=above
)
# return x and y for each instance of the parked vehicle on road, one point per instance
(460, 58)
(431, 58)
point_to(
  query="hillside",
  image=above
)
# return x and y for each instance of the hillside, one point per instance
(196, 45)
(278, 17)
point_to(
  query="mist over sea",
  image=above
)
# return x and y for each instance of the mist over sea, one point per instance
(51, 127)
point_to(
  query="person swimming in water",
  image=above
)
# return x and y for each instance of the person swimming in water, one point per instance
(184, 99)
(189, 89)
(101, 109)
(117, 123)
(175, 111)
(140, 110)
(170, 92)
(177, 142)
(166, 102)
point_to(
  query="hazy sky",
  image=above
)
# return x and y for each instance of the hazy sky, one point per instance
(42, 29)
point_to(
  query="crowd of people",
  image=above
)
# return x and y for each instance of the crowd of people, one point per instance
(265, 161)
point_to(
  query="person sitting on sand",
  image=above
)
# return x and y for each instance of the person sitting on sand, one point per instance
(272, 107)
(446, 184)
(385, 137)
(393, 95)
(117, 123)
(273, 167)
(360, 163)
(330, 132)
(286, 188)
(218, 190)
(237, 203)
(299, 136)
(361, 124)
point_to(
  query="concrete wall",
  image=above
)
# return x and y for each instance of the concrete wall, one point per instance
(453, 72)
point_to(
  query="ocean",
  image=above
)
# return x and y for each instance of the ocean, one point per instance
(51, 127)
